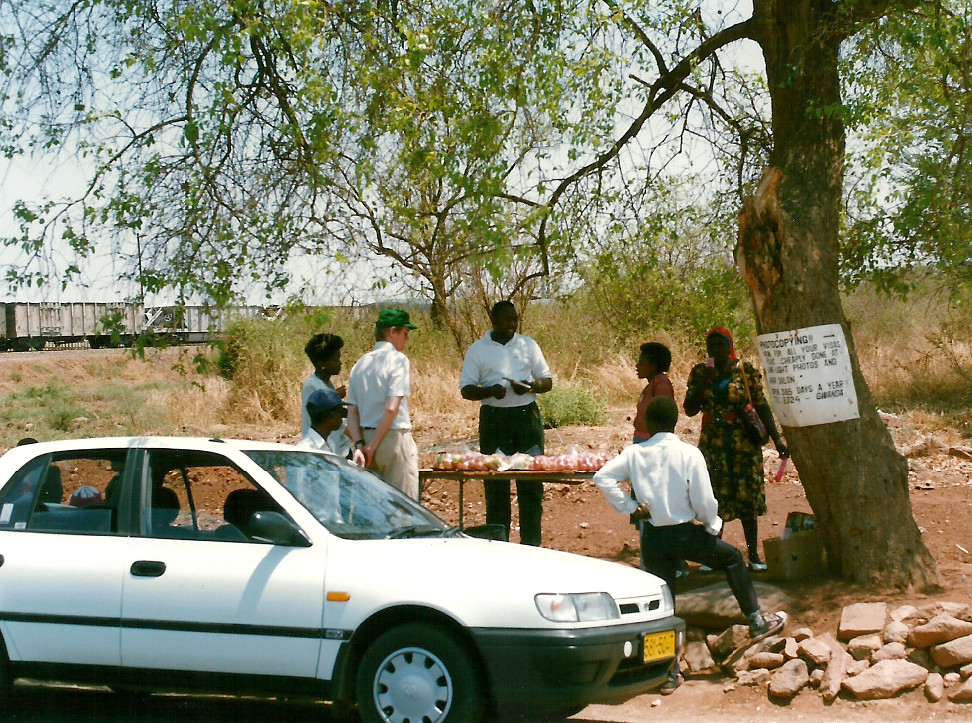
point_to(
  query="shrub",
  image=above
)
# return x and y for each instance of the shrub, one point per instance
(571, 404)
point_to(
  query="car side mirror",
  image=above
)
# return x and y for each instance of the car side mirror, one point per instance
(487, 532)
(275, 528)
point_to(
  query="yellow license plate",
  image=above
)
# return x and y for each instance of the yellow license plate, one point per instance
(658, 646)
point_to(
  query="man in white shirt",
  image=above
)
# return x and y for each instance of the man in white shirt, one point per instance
(505, 371)
(326, 411)
(378, 391)
(672, 493)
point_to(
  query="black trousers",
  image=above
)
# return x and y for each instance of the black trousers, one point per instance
(510, 430)
(662, 548)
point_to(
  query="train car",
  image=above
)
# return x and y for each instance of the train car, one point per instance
(36, 325)
(30, 325)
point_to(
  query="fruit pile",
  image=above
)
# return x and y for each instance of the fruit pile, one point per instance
(478, 462)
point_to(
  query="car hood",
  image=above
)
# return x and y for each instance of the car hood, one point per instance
(482, 582)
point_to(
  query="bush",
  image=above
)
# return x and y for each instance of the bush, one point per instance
(568, 405)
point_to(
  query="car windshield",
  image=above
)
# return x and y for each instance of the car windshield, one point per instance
(349, 501)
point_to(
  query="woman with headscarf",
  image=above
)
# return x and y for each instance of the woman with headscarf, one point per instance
(721, 388)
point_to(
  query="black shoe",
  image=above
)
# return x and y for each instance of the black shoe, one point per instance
(769, 624)
(671, 685)
(756, 565)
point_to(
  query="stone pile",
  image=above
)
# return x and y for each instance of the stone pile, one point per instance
(877, 653)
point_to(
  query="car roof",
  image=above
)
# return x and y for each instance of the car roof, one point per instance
(149, 442)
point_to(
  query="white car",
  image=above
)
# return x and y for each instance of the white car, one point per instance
(175, 564)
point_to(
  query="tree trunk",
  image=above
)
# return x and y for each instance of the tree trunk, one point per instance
(787, 252)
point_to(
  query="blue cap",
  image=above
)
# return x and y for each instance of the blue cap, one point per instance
(323, 401)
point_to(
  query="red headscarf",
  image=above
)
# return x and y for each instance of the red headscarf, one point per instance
(723, 332)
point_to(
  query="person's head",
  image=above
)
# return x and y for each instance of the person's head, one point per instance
(26, 440)
(324, 352)
(719, 346)
(661, 415)
(505, 320)
(654, 359)
(393, 326)
(326, 410)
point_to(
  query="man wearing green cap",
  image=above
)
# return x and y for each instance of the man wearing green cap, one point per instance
(378, 390)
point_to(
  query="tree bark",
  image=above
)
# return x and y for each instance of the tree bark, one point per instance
(787, 252)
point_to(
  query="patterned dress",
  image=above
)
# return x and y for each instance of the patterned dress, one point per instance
(735, 463)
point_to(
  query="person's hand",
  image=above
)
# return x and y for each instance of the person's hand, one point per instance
(358, 458)
(369, 455)
(342, 391)
(498, 391)
(782, 449)
(521, 387)
(642, 513)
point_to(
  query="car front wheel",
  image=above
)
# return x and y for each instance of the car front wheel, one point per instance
(416, 673)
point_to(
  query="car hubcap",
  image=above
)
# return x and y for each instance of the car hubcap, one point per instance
(413, 686)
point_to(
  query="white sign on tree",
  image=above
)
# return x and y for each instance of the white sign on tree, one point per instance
(808, 374)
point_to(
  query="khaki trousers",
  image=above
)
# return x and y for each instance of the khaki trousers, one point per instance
(396, 460)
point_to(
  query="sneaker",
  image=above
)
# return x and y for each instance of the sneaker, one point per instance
(671, 685)
(705, 568)
(756, 565)
(768, 624)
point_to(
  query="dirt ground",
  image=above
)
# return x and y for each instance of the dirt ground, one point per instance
(577, 519)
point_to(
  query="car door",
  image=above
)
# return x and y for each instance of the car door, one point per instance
(62, 560)
(199, 593)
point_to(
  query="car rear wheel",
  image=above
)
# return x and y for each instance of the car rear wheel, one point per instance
(417, 673)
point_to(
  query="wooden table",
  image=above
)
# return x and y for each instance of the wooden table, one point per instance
(463, 476)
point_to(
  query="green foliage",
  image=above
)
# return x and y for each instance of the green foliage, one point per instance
(52, 406)
(570, 404)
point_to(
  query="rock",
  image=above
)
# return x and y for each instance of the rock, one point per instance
(891, 651)
(723, 644)
(960, 452)
(833, 676)
(885, 679)
(921, 656)
(904, 612)
(791, 649)
(713, 607)
(962, 694)
(770, 661)
(952, 679)
(934, 687)
(753, 678)
(954, 652)
(955, 609)
(801, 634)
(697, 658)
(862, 619)
(966, 671)
(856, 667)
(940, 629)
(863, 646)
(815, 651)
(895, 632)
(816, 677)
(787, 681)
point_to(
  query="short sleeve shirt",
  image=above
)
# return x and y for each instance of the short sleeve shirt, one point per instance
(488, 362)
(337, 441)
(381, 373)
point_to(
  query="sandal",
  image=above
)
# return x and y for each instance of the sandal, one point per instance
(671, 685)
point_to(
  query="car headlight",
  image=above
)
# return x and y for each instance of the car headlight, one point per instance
(668, 602)
(578, 607)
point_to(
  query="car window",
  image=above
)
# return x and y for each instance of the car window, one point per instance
(349, 501)
(201, 496)
(68, 492)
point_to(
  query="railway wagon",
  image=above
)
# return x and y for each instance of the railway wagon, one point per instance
(31, 325)
(34, 325)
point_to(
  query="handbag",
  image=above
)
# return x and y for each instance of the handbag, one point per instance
(754, 424)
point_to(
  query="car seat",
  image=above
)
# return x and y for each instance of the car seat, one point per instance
(240, 505)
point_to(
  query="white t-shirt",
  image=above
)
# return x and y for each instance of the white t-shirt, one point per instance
(381, 373)
(669, 475)
(488, 362)
(313, 440)
(338, 441)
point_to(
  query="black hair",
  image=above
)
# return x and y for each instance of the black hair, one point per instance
(500, 306)
(27, 440)
(657, 354)
(661, 415)
(322, 347)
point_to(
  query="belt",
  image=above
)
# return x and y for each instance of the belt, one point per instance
(727, 417)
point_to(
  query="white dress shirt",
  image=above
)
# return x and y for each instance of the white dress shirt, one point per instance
(381, 373)
(669, 476)
(488, 362)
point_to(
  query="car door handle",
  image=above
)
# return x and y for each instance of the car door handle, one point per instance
(148, 568)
